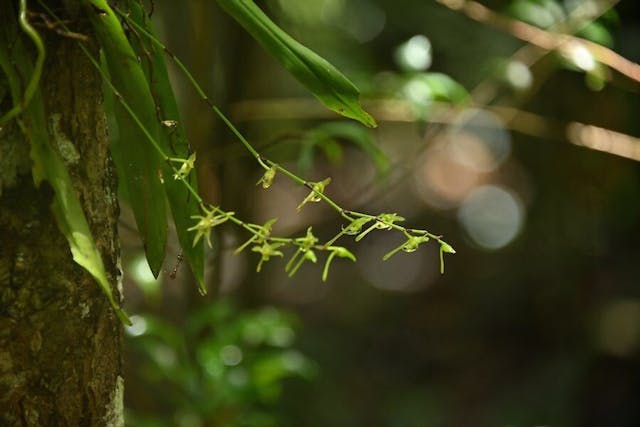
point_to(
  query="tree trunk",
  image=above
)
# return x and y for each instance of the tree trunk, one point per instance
(60, 343)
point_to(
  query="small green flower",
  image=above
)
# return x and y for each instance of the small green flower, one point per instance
(186, 168)
(267, 179)
(304, 248)
(387, 219)
(410, 245)
(336, 251)
(307, 255)
(206, 223)
(308, 240)
(383, 222)
(266, 251)
(445, 248)
(261, 234)
(314, 195)
(356, 225)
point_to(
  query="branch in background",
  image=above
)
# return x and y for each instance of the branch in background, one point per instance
(485, 92)
(527, 123)
(547, 40)
(606, 140)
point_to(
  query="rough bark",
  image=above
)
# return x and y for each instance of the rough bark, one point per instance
(60, 343)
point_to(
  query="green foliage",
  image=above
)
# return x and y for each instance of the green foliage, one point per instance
(327, 137)
(422, 90)
(138, 162)
(597, 32)
(267, 246)
(221, 364)
(552, 14)
(172, 139)
(153, 157)
(541, 13)
(330, 86)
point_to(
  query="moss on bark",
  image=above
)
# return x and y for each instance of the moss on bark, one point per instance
(60, 343)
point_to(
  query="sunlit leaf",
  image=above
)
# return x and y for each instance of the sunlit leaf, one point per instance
(328, 84)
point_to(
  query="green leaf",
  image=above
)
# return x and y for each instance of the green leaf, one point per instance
(358, 136)
(172, 140)
(328, 84)
(313, 141)
(598, 33)
(138, 162)
(423, 88)
(444, 88)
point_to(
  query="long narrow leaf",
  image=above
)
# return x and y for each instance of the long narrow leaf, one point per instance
(328, 84)
(138, 161)
(172, 140)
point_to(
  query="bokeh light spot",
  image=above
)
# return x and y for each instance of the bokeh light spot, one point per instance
(479, 140)
(581, 57)
(442, 182)
(415, 54)
(293, 361)
(491, 216)
(281, 336)
(143, 277)
(518, 75)
(619, 327)
(188, 420)
(164, 355)
(238, 377)
(418, 92)
(138, 326)
(231, 355)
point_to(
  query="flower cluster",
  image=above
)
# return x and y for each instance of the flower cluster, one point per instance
(212, 217)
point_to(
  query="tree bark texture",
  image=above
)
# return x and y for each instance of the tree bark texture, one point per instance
(60, 343)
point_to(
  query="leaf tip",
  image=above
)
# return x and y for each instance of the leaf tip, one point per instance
(122, 315)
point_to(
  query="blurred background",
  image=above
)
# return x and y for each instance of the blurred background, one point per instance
(509, 126)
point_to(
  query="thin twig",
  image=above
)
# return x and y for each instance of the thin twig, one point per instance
(544, 39)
